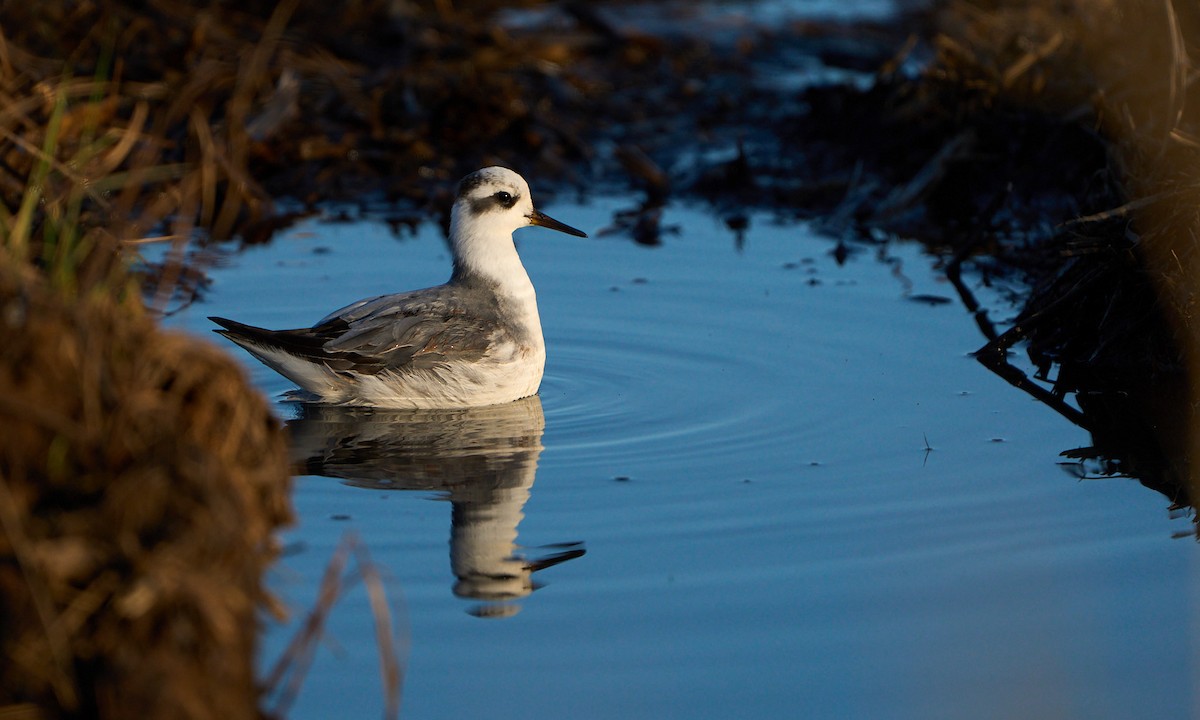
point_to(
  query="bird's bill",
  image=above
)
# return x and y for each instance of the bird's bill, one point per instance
(543, 220)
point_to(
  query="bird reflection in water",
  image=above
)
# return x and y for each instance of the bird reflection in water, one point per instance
(484, 459)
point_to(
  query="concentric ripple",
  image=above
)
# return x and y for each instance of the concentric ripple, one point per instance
(639, 396)
(691, 366)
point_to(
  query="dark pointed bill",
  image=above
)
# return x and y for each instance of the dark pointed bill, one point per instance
(539, 218)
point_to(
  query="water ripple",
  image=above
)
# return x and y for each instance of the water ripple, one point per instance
(638, 395)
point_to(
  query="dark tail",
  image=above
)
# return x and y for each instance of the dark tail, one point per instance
(234, 329)
(302, 342)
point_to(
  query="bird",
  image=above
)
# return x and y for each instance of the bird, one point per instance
(475, 340)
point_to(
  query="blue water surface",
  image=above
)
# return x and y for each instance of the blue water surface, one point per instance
(799, 496)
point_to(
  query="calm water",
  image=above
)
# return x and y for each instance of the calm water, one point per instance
(738, 440)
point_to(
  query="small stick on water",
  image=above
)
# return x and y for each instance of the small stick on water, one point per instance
(292, 667)
(297, 658)
(390, 666)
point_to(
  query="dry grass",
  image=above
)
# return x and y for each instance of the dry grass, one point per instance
(198, 114)
(141, 482)
(142, 479)
(130, 119)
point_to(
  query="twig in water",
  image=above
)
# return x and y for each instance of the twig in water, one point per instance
(287, 676)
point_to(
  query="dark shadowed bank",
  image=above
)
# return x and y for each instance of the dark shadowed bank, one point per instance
(142, 479)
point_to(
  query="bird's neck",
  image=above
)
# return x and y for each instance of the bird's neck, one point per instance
(492, 261)
(511, 287)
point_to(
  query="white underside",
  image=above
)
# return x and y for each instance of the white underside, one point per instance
(504, 375)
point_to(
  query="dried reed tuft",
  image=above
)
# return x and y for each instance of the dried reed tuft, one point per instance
(141, 484)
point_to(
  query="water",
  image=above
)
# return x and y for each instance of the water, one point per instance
(796, 492)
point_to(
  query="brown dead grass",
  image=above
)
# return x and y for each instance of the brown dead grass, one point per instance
(201, 114)
(141, 482)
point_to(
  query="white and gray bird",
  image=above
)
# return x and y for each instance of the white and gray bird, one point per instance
(476, 340)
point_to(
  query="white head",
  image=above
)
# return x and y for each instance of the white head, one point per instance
(491, 204)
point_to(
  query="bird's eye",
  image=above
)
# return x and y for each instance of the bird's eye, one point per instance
(504, 198)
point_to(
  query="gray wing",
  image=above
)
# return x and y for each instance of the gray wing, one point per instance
(420, 329)
(354, 310)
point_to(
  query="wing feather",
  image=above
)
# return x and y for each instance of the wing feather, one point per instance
(407, 331)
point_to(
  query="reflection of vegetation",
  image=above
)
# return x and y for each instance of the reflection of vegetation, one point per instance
(1116, 316)
(1059, 140)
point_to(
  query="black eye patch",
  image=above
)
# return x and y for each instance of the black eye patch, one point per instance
(499, 200)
